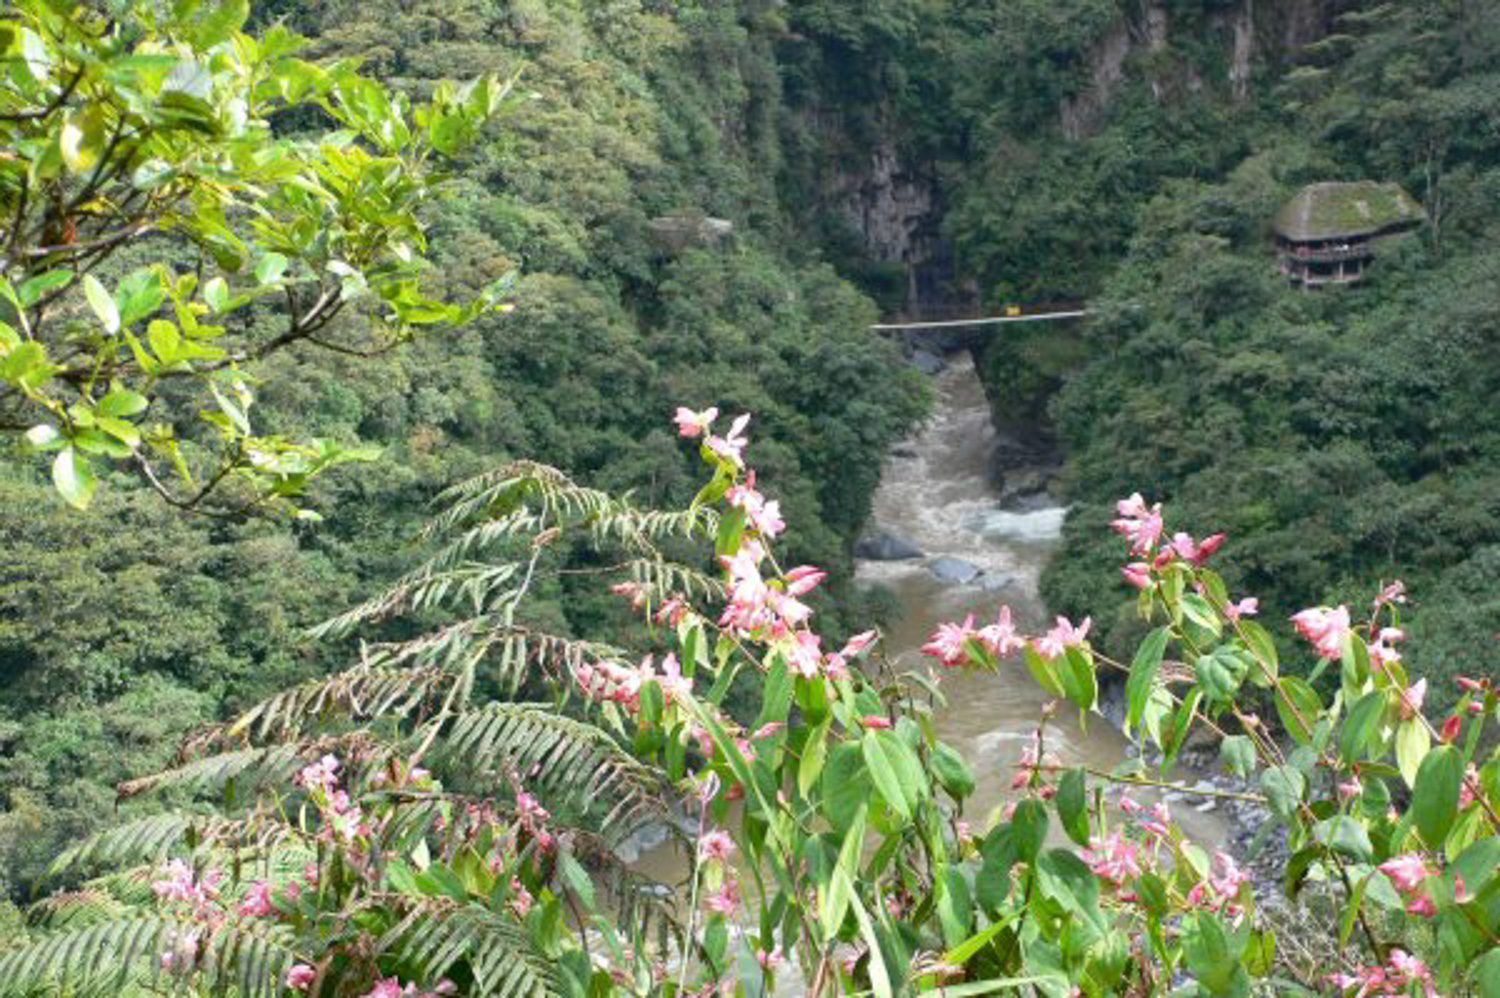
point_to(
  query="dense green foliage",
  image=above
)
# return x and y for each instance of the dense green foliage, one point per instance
(627, 114)
(1099, 151)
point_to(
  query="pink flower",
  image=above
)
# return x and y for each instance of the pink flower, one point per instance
(520, 898)
(300, 977)
(257, 900)
(1001, 637)
(1421, 904)
(633, 591)
(1062, 636)
(1411, 700)
(1451, 727)
(1325, 628)
(803, 654)
(675, 687)
(731, 447)
(693, 424)
(803, 579)
(858, 643)
(715, 845)
(320, 775)
(1229, 877)
(768, 961)
(1350, 789)
(529, 810)
(388, 988)
(875, 721)
(1409, 966)
(947, 642)
(1407, 871)
(1158, 821)
(1141, 525)
(1113, 859)
(725, 899)
(1247, 607)
(1138, 574)
(1196, 552)
(1393, 593)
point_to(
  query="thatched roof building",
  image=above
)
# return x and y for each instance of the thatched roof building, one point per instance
(1325, 232)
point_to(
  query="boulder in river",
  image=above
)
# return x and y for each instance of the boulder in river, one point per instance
(928, 362)
(996, 581)
(886, 546)
(955, 570)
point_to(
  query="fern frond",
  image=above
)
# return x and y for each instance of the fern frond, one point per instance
(371, 689)
(516, 486)
(108, 956)
(150, 840)
(565, 759)
(495, 948)
(272, 763)
(76, 909)
(147, 839)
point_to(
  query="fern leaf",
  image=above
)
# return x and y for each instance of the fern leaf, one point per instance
(497, 951)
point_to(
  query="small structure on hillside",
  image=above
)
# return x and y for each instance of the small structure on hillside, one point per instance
(680, 231)
(1327, 233)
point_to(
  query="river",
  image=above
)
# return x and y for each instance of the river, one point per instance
(937, 491)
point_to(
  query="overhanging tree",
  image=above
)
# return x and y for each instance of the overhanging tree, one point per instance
(181, 200)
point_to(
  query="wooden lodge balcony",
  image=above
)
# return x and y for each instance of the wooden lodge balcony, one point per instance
(1328, 254)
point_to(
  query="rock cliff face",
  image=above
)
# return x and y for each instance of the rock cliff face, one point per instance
(1251, 30)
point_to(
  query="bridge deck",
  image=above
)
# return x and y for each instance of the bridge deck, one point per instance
(983, 320)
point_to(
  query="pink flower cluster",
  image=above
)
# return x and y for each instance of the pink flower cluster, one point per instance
(1396, 977)
(950, 642)
(604, 680)
(182, 885)
(1155, 821)
(1115, 858)
(730, 447)
(762, 514)
(392, 987)
(1325, 628)
(1409, 873)
(1222, 886)
(715, 845)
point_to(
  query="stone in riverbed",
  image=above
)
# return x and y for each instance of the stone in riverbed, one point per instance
(996, 581)
(886, 546)
(955, 570)
(928, 362)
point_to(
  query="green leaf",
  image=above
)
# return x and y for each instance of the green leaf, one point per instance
(1143, 670)
(270, 268)
(216, 294)
(1219, 673)
(165, 340)
(32, 289)
(1298, 706)
(1201, 618)
(884, 775)
(1412, 744)
(1345, 835)
(1258, 639)
(731, 531)
(1238, 754)
(845, 784)
(1487, 974)
(952, 771)
(1284, 787)
(122, 402)
(1028, 827)
(1434, 799)
(840, 889)
(1044, 671)
(814, 754)
(1078, 679)
(102, 303)
(73, 478)
(1072, 806)
(1362, 726)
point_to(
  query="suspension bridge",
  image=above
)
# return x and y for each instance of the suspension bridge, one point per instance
(950, 318)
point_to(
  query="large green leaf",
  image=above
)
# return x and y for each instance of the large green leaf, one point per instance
(1434, 798)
